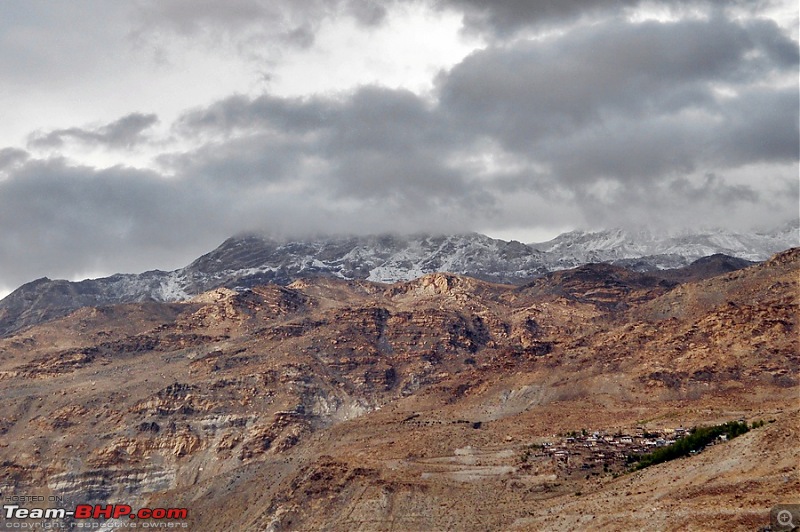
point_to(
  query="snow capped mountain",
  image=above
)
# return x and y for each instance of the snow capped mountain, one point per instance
(251, 260)
(246, 261)
(654, 250)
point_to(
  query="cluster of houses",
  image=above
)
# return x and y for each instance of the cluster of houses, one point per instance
(585, 451)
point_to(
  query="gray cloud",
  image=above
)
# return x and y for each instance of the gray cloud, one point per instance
(253, 22)
(504, 18)
(56, 44)
(715, 189)
(188, 16)
(267, 112)
(500, 18)
(253, 160)
(123, 133)
(78, 220)
(11, 157)
(761, 126)
(682, 123)
(632, 101)
(618, 103)
(61, 220)
(536, 90)
(377, 143)
(368, 12)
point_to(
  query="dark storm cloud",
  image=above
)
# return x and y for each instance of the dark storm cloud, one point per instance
(123, 133)
(757, 126)
(392, 143)
(507, 16)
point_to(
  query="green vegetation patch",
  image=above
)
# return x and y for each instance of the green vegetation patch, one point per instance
(696, 440)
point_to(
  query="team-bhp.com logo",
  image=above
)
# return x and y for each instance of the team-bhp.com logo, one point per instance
(117, 511)
(96, 511)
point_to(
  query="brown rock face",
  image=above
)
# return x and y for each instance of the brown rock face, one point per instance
(441, 403)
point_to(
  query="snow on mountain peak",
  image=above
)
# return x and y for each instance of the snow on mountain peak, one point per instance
(242, 262)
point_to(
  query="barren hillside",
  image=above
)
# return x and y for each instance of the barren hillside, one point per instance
(439, 403)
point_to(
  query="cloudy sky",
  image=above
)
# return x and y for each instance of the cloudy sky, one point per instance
(138, 135)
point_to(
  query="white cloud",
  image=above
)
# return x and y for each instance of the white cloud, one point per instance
(406, 51)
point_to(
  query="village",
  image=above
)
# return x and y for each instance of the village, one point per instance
(591, 453)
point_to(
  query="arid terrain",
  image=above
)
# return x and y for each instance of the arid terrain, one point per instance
(442, 403)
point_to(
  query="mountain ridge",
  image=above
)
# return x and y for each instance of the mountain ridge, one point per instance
(611, 245)
(249, 260)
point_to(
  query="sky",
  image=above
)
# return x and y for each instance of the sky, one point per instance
(139, 135)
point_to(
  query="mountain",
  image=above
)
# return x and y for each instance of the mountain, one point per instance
(381, 258)
(646, 249)
(251, 260)
(441, 403)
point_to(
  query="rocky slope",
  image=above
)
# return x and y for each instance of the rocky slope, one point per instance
(421, 405)
(248, 261)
